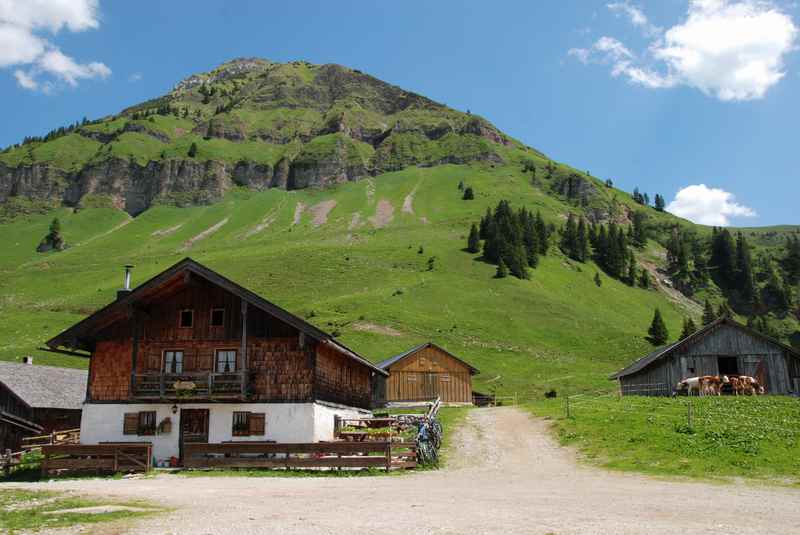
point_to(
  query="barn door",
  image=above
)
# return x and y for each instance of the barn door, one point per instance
(430, 385)
(756, 366)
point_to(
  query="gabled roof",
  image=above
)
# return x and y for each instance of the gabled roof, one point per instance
(664, 351)
(45, 387)
(72, 337)
(386, 364)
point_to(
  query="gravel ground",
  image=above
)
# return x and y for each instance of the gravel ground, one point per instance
(506, 475)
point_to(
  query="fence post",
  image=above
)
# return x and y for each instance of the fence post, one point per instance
(388, 456)
(566, 406)
(689, 414)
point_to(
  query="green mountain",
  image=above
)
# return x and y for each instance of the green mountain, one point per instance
(341, 198)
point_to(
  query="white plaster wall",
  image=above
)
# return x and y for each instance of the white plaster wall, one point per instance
(284, 422)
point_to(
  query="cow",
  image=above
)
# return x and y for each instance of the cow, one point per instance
(689, 384)
(736, 385)
(750, 386)
(707, 385)
(711, 385)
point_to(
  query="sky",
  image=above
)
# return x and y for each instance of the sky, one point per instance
(692, 99)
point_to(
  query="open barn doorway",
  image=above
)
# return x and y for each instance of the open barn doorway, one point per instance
(728, 365)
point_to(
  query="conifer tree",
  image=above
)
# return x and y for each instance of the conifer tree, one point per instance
(582, 242)
(644, 279)
(791, 260)
(597, 280)
(658, 333)
(474, 240)
(632, 272)
(192, 150)
(638, 235)
(708, 313)
(660, 204)
(502, 270)
(689, 328)
(468, 194)
(723, 258)
(569, 238)
(486, 220)
(744, 270)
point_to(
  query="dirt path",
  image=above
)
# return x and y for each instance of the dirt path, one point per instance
(506, 475)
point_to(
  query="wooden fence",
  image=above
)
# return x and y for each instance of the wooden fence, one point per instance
(333, 455)
(67, 436)
(100, 458)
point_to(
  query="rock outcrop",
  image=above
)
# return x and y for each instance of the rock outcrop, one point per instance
(256, 124)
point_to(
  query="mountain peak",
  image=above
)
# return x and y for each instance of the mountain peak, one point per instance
(248, 122)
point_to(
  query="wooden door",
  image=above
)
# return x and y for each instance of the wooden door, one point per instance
(430, 385)
(194, 427)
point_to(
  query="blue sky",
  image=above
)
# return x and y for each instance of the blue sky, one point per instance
(662, 95)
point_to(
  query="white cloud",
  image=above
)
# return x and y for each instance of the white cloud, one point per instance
(707, 206)
(25, 81)
(22, 44)
(636, 17)
(135, 77)
(726, 49)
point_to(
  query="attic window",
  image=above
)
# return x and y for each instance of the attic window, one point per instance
(217, 317)
(186, 320)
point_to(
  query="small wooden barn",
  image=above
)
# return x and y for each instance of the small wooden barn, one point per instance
(723, 347)
(424, 373)
(35, 400)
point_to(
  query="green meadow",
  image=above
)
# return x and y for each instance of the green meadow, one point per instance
(358, 270)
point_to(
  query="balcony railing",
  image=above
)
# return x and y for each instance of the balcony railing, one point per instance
(196, 385)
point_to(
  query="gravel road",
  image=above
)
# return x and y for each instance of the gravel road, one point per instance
(530, 485)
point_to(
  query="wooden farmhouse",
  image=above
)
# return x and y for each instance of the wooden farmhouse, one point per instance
(724, 347)
(36, 400)
(424, 373)
(191, 356)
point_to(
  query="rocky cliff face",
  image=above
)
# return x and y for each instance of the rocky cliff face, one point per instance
(318, 125)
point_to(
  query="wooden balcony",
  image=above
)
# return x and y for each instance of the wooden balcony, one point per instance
(189, 386)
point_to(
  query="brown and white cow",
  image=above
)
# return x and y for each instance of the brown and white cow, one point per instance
(750, 386)
(707, 385)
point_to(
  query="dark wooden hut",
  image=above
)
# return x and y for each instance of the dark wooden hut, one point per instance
(37, 400)
(724, 347)
(423, 373)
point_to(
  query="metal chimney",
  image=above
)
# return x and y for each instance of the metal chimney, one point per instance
(128, 269)
(126, 289)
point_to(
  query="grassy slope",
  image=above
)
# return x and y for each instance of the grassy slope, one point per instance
(558, 329)
(730, 437)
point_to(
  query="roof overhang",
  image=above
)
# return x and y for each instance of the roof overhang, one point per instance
(388, 363)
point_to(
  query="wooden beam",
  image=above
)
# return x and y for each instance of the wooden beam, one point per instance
(134, 351)
(244, 347)
(64, 352)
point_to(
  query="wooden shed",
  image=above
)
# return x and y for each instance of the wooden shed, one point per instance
(36, 400)
(424, 373)
(724, 347)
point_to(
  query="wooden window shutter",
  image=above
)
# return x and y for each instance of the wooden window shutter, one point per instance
(257, 423)
(130, 425)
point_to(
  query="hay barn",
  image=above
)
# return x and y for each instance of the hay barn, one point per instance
(724, 347)
(424, 373)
